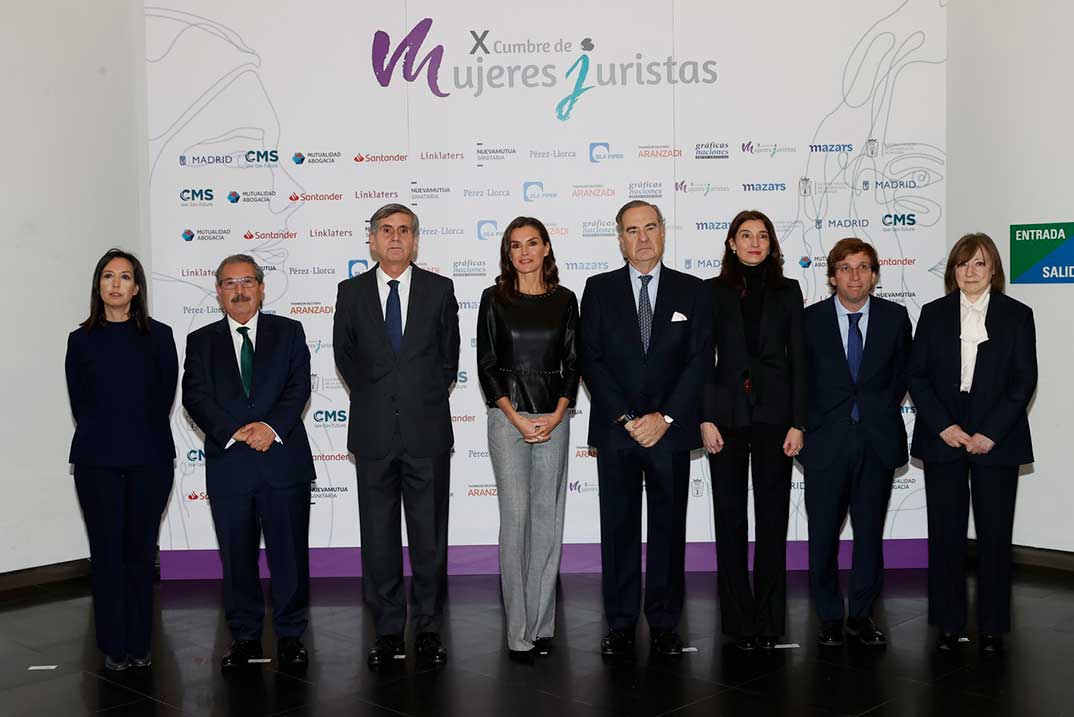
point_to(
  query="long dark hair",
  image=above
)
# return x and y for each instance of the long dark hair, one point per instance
(139, 301)
(507, 281)
(731, 268)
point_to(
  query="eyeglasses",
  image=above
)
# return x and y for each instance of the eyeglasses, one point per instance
(860, 268)
(246, 282)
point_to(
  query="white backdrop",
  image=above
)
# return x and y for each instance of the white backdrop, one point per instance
(277, 128)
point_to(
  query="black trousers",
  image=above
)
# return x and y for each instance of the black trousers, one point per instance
(759, 609)
(283, 515)
(948, 492)
(854, 480)
(620, 475)
(122, 509)
(423, 485)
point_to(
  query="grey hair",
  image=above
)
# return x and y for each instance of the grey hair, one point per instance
(634, 205)
(386, 211)
(241, 259)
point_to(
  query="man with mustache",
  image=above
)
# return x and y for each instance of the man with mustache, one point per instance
(246, 383)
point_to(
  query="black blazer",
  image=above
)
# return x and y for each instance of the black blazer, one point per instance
(1004, 379)
(622, 378)
(879, 391)
(778, 375)
(213, 396)
(121, 384)
(413, 384)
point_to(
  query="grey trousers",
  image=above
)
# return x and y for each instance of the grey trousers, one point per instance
(531, 487)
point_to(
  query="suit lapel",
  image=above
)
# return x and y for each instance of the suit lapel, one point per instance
(951, 325)
(835, 336)
(626, 293)
(227, 363)
(416, 310)
(263, 350)
(370, 296)
(665, 299)
(873, 342)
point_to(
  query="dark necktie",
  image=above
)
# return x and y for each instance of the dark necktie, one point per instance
(855, 350)
(393, 316)
(645, 312)
(246, 360)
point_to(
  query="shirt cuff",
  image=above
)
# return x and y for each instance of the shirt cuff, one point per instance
(276, 435)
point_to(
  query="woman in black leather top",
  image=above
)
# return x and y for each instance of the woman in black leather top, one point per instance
(753, 410)
(526, 361)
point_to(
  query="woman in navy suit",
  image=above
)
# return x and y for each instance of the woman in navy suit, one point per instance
(972, 373)
(121, 376)
(753, 414)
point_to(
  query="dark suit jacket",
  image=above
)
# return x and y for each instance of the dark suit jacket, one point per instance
(622, 378)
(879, 391)
(1004, 379)
(213, 396)
(778, 374)
(413, 384)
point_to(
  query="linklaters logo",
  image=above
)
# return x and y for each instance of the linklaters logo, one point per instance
(552, 60)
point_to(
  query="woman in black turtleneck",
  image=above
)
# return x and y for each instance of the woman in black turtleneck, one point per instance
(121, 376)
(527, 362)
(753, 407)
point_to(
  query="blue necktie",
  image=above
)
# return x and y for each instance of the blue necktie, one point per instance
(855, 350)
(393, 316)
(645, 312)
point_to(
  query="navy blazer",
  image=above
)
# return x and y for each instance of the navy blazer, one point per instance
(121, 384)
(413, 384)
(879, 391)
(1004, 379)
(213, 396)
(623, 378)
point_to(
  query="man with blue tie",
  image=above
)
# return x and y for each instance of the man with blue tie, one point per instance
(246, 383)
(645, 345)
(396, 344)
(858, 347)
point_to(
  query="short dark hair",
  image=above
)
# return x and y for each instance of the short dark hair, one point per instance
(963, 251)
(389, 209)
(507, 281)
(731, 267)
(851, 245)
(139, 310)
(634, 204)
(259, 273)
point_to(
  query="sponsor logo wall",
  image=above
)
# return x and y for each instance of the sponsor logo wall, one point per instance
(278, 129)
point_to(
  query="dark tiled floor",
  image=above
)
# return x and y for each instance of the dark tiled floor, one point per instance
(52, 625)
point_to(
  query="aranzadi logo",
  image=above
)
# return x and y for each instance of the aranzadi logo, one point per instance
(481, 490)
(658, 151)
(206, 234)
(592, 191)
(315, 197)
(585, 452)
(306, 308)
(485, 154)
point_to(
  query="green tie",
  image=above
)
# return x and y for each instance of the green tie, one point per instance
(246, 360)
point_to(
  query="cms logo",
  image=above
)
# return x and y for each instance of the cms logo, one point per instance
(330, 416)
(196, 195)
(487, 229)
(900, 220)
(262, 155)
(195, 455)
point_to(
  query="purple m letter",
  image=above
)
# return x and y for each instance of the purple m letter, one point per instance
(410, 45)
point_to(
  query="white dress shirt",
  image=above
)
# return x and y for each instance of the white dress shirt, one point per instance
(404, 292)
(635, 284)
(236, 341)
(974, 333)
(841, 314)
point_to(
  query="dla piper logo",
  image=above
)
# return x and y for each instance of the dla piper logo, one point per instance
(407, 51)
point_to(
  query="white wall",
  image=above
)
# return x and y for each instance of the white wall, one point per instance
(73, 168)
(1010, 149)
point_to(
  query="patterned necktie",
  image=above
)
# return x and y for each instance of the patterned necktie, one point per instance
(246, 360)
(393, 316)
(645, 312)
(855, 350)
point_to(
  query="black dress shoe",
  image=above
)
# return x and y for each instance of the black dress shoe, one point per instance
(240, 654)
(524, 657)
(831, 633)
(866, 631)
(543, 646)
(386, 650)
(746, 643)
(617, 643)
(146, 661)
(429, 649)
(666, 643)
(116, 664)
(766, 642)
(948, 641)
(991, 643)
(290, 652)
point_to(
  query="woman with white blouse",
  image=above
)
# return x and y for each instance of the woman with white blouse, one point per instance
(973, 371)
